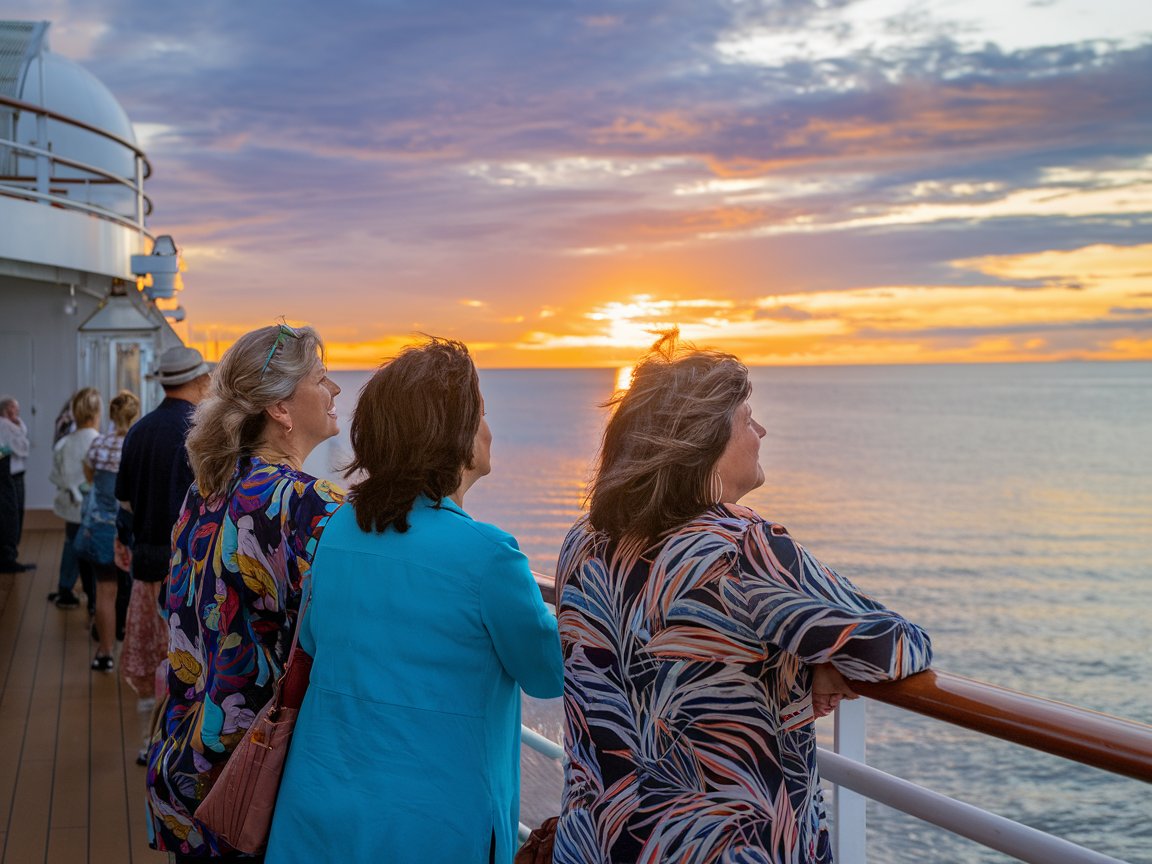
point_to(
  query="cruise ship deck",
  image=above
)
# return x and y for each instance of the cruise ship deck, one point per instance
(71, 792)
(70, 788)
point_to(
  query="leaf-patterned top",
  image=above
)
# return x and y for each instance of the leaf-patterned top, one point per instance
(687, 690)
(233, 594)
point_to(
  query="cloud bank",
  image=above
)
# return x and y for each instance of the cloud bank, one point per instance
(369, 166)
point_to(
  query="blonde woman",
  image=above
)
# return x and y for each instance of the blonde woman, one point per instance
(95, 540)
(71, 486)
(242, 548)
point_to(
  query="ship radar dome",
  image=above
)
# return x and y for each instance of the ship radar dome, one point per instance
(31, 73)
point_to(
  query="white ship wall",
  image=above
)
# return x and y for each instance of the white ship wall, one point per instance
(39, 366)
(66, 239)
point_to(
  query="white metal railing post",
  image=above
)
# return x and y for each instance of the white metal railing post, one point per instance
(139, 181)
(849, 809)
(43, 161)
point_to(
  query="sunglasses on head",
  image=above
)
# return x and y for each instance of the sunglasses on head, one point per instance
(281, 337)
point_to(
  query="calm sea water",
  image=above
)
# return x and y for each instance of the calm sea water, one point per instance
(1007, 508)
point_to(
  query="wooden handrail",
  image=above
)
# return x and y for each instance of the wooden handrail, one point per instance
(1100, 740)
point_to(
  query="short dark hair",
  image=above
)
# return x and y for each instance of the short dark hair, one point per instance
(664, 438)
(413, 431)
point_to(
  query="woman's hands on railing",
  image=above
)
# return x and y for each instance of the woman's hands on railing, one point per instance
(1121, 746)
(828, 688)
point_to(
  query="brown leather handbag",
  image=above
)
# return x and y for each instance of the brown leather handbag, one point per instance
(238, 807)
(537, 849)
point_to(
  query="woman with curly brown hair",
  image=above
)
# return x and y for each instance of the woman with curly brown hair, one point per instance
(424, 625)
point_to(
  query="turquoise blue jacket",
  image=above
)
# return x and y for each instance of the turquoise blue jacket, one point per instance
(407, 748)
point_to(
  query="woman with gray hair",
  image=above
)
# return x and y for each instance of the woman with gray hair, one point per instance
(242, 548)
(700, 640)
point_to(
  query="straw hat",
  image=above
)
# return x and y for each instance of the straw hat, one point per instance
(180, 365)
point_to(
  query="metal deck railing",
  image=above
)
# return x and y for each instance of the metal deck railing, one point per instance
(1120, 746)
(39, 172)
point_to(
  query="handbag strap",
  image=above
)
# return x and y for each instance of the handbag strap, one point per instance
(299, 621)
(276, 688)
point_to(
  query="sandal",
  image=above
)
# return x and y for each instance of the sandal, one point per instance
(103, 663)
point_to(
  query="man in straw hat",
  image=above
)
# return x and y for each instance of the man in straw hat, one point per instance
(153, 480)
(154, 472)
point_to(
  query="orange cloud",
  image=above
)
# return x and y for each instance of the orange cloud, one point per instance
(648, 128)
(1078, 304)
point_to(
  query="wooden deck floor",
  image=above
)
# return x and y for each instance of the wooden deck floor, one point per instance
(70, 789)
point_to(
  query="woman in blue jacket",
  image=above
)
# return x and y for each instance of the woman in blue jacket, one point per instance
(424, 625)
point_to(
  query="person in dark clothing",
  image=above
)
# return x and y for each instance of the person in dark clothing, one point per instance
(9, 530)
(154, 471)
(14, 453)
(153, 479)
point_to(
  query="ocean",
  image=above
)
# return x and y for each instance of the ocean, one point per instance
(1007, 508)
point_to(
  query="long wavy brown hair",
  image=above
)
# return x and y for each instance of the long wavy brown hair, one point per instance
(664, 437)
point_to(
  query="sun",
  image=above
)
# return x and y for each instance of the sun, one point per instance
(635, 323)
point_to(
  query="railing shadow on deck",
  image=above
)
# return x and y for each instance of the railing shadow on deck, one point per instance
(1113, 744)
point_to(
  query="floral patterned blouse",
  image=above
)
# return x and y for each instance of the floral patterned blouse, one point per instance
(233, 596)
(687, 691)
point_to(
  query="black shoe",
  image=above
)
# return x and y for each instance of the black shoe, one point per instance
(103, 664)
(15, 567)
(67, 600)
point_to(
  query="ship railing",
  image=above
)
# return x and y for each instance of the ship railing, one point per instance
(1113, 744)
(59, 181)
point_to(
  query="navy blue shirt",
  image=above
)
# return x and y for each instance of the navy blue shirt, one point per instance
(154, 477)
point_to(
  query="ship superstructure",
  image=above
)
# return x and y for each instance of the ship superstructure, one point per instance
(87, 293)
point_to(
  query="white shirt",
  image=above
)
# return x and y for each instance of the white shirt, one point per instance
(14, 436)
(68, 473)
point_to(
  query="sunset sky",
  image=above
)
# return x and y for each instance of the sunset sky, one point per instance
(797, 181)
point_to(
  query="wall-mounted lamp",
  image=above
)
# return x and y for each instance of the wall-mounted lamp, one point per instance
(70, 305)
